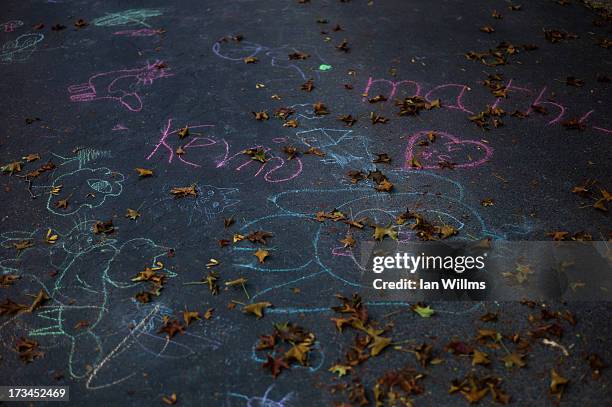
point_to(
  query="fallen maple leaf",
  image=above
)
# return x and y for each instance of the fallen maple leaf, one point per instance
(425, 311)
(132, 214)
(480, 358)
(558, 383)
(276, 365)
(379, 343)
(256, 309)
(340, 370)
(261, 255)
(380, 232)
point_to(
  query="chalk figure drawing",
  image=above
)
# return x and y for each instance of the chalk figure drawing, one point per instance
(277, 57)
(323, 257)
(86, 188)
(210, 202)
(127, 17)
(20, 49)
(122, 85)
(88, 265)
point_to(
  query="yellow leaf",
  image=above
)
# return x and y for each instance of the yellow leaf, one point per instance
(514, 359)
(380, 232)
(238, 281)
(379, 343)
(184, 132)
(170, 400)
(256, 308)
(143, 172)
(31, 157)
(189, 316)
(51, 238)
(261, 255)
(181, 192)
(212, 263)
(480, 358)
(557, 382)
(340, 370)
(55, 190)
(132, 214)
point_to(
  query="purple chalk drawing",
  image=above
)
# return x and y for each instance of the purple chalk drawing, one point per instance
(11, 26)
(446, 148)
(122, 85)
(119, 127)
(143, 32)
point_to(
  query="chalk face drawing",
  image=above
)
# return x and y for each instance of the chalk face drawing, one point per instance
(127, 17)
(122, 86)
(11, 26)
(85, 188)
(210, 203)
(445, 149)
(322, 256)
(341, 147)
(277, 57)
(20, 49)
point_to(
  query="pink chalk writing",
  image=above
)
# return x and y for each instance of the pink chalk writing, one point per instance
(452, 97)
(121, 86)
(11, 26)
(445, 149)
(271, 169)
(119, 127)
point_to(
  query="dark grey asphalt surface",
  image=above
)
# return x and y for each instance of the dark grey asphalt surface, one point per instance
(101, 100)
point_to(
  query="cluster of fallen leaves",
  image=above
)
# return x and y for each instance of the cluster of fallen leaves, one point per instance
(288, 343)
(592, 190)
(498, 55)
(424, 229)
(412, 106)
(475, 389)
(156, 280)
(172, 326)
(354, 314)
(396, 386)
(491, 116)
